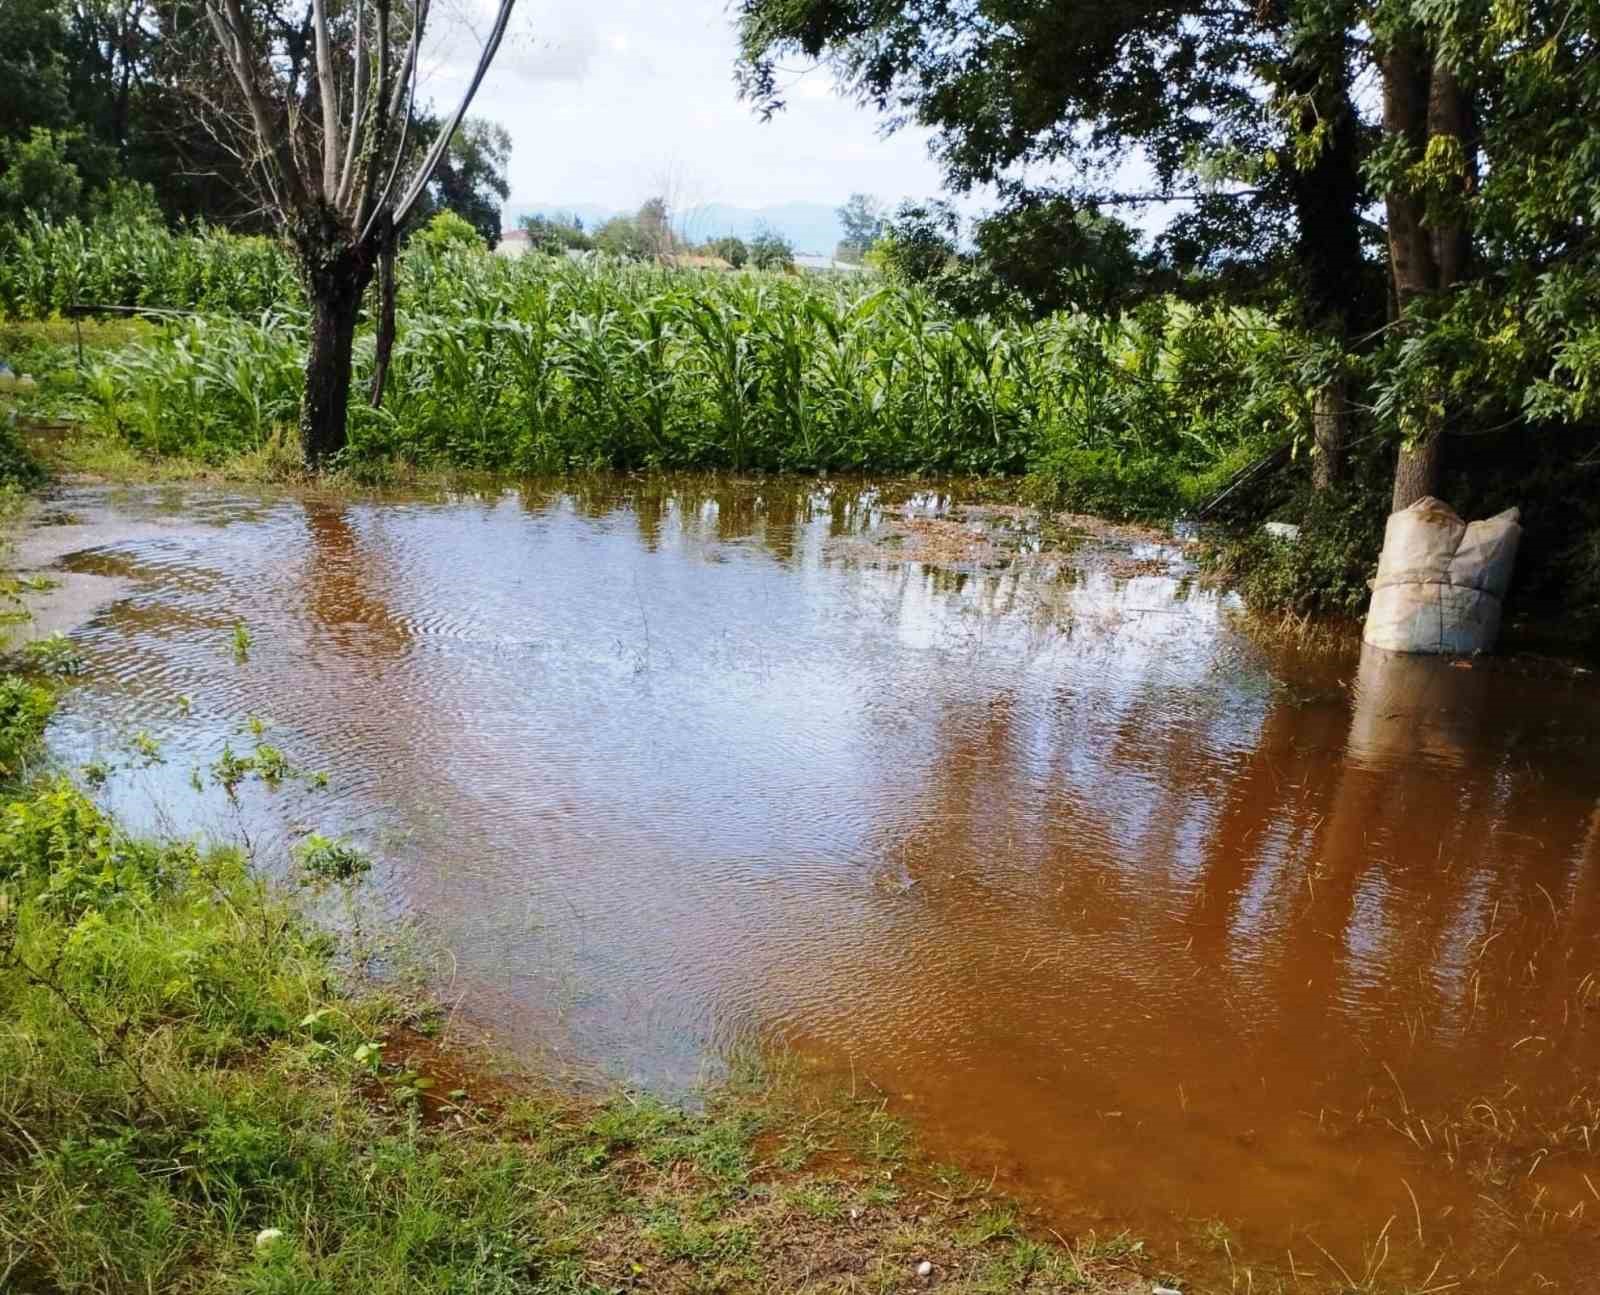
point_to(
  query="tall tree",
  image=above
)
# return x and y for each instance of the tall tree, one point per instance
(471, 179)
(862, 219)
(323, 110)
(1013, 87)
(1312, 97)
(1426, 165)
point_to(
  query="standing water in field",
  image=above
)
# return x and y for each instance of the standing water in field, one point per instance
(1286, 961)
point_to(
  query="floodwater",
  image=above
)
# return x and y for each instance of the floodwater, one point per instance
(1282, 959)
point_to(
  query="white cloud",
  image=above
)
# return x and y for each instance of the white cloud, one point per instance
(602, 98)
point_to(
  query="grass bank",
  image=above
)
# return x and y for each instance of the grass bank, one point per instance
(196, 1098)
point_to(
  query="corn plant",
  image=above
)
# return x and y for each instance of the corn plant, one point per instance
(542, 364)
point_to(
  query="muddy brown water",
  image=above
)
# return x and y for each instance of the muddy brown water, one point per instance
(1284, 960)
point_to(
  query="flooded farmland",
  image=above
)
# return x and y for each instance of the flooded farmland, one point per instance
(1283, 958)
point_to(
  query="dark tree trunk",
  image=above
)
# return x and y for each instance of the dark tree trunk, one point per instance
(334, 286)
(1448, 114)
(385, 340)
(1436, 252)
(1405, 113)
(1416, 473)
(1327, 198)
(1410, 110)
(1330, 416)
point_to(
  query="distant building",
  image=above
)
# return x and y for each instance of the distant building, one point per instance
(516, 242)
(513, 242)
(811, 261)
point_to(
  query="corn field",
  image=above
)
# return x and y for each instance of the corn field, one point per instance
(541, 365)
(44, 269)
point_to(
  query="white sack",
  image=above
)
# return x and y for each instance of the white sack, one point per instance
(1441, 582)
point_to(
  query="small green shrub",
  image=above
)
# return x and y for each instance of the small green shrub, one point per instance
(18, 468)
(322, 860)
(61, 848)
(448, 230)
(25, 709)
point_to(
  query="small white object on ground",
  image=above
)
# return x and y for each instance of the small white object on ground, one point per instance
(267, 1236)
(1282, 531)
(1164, 1290)
(925, 1269)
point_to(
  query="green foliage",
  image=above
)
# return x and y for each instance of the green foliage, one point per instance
(471, 180)
(731, 249)
(1039, 254)
(47, 267)
(323, 860)
(770, 250)
(59, 849)
(555, 235)
(125, 202)
(624, 238)
(918, 245)
(37, 178)
(1152, 413)
(25, 709)
(18, 468)
(209, 387)
(447, 231)
(538, 364)
(862, 219)
(1325, 571)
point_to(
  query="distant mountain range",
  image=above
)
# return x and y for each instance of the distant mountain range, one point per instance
(809, 226)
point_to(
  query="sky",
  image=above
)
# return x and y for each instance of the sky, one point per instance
(611, 101)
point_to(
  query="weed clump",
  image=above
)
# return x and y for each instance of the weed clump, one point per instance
(1322, 573)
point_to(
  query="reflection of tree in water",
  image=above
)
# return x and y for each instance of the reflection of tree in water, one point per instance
(1087, 902)
(774, 516)
(341, 583)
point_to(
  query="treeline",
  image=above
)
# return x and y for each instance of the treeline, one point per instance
(649, 235)
(111, 108)
(1412, 183)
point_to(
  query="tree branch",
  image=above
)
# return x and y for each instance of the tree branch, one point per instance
(238, 48)
(431, 162)
(358, 107)
(405, 87)
(328, 92)
(1139, 199)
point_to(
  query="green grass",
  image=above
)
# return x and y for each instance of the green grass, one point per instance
(185, 1071)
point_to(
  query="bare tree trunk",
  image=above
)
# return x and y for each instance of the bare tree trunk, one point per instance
(1330, 413)
(343, 203)
(334, 288)
(1416, 474)
(385, 340)
(1406, 112)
